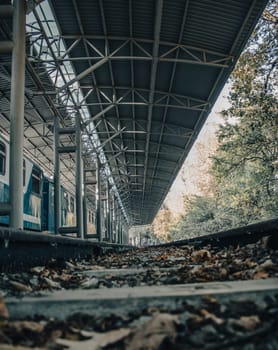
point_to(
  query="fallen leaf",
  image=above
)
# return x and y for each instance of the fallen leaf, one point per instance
(201, 255)
(21, 326)
(223, 273)
(98, 340)
(209, 316)
(248, 322)
(164, 256)
(12, 347)
(152, 334)
(250, 263)
(4, 313)
(260, 274)
(20, 286)
(37, 269)
(267, 264)
(65, 277)
(194, 321)
(51, 284)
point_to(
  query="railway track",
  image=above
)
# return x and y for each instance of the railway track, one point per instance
(213, 292)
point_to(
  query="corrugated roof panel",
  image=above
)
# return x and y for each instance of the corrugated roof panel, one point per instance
(116, 14)
(143, 18)
(159, 103)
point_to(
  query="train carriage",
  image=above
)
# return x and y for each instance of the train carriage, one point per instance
(32, 192)
(38, 196)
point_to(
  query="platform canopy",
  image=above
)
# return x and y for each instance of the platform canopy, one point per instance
(142, 75)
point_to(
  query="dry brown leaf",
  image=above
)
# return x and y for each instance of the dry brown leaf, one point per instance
(209, 299)
(21, 326)
(153, 333)
(37, 269)
(12, 347)
(65, 277)
(98, 340)
(20, 286)
(240, 274)
(4, 313)
(164, 256)
(260, 274)
(223, 273)
(201, 255)
(51, 284)
(250, 263)
(249, 323)
(195, 321)
(209, 316)
(267, 264)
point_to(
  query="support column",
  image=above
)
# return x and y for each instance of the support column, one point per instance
(17, 115)
(113, 219)
(57, 187)
(116, 222)
(120, 227)
(98, 200)
(79, 180)
(108, 212)
(85, 213)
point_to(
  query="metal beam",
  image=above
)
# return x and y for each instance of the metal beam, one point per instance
(157, 26)
(85, 73)
(191, 54)
(6, 10)
(57, 191)
(98, 201)
(6, 47)
(79, 180)
(111, 138)
(101, 113)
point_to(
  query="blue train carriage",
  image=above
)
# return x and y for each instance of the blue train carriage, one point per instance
(68, 206)
(38, 195)
(32, 189)
(68, 209)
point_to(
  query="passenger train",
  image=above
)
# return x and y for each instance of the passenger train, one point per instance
(38, 196)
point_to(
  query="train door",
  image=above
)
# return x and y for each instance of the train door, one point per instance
(4, 178)
(32, 196)
(47, 218)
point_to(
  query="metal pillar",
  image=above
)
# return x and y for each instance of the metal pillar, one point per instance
(17, 115)
(85, 211)
(79, 180)
(113, 220)
(120, 227)
(108, 219)
(57, 187)
(116, 223)
(98, 200)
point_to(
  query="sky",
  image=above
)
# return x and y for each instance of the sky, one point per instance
(187, 180)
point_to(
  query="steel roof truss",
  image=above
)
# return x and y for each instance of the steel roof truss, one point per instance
(194, 55)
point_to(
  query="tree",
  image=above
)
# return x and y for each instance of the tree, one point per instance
(245, 166)
(161, 226)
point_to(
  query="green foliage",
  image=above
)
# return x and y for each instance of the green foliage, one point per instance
(245, 166)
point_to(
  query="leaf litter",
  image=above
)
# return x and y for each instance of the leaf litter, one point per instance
(213, 324)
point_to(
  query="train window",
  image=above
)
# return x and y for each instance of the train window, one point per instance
(66, 201)
(90, 217)
(24, 172)
(71, 205)
(2, 158)
(36, 180)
